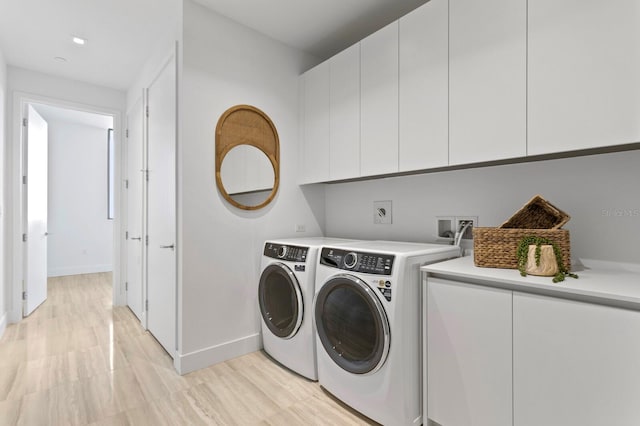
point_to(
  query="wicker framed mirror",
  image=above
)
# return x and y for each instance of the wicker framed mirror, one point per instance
(247, 157)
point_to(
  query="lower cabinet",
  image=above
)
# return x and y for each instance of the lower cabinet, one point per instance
(469, 354)
(499, 357)
(574, 363)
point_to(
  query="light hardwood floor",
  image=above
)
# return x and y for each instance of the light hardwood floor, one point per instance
(77, 360)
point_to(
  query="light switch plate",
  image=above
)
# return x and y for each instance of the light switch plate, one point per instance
(382, 212)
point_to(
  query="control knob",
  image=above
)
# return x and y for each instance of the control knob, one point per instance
(282, 251)
(350, 260)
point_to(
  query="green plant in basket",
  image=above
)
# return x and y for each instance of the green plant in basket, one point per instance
(523, 253)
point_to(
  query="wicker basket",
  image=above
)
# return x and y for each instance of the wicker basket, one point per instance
(538, 213)
(497, 247)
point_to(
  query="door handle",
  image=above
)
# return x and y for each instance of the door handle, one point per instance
(136, 238)
(169, 247)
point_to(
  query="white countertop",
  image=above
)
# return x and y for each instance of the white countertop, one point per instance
(609, 283)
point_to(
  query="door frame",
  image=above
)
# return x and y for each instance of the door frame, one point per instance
(19, 261)
(142, 102)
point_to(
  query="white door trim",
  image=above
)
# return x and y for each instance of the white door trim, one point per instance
(140, 101)
(17, 259)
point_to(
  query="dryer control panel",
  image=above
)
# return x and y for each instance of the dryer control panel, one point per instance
(357, 261)
(286, 252)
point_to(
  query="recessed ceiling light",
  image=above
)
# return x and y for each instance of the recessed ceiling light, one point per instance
(79, 40)
(60, 59)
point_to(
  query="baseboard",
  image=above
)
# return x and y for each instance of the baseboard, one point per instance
(77, 270)
(215, 354)
(3, 324)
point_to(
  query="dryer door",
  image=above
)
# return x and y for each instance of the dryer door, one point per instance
(280, 300)
(352, 324)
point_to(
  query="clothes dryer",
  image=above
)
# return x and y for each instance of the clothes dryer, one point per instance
(285, 297)
(367, 316)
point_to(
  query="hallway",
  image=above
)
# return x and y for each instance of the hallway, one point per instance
(77, 360)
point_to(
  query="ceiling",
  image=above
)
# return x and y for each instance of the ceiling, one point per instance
(319, 27)
(52, 113)
(121, 33)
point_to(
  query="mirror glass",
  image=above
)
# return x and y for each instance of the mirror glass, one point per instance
(247, 175)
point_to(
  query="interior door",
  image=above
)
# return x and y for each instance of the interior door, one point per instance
(135, 198)
(36, 188)
(161, 215)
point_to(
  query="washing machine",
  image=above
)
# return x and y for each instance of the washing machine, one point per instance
(285, 297)
(368, 319)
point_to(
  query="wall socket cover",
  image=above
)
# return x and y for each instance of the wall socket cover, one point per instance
(382, 212)
(468, 233)
(446, 226)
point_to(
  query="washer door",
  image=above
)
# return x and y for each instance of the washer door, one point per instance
(352, 324)
(280, 300)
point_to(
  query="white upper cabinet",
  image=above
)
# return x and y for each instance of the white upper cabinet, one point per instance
(424, 78)
(462, 81)
(584, 74)
(314, 158)
(344, 109)
(379, 102)
(487, 86)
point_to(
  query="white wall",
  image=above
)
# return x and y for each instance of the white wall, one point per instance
(46, 88)
(80, 235)
(227, 64)
(599, 192)
(4, 278)
(62, 89)
(157, 56)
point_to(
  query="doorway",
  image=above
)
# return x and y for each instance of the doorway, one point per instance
(149, 200)
(66, 215)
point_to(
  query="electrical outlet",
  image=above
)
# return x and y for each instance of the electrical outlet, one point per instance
(461, 220)
(382, 212)
(301, 228)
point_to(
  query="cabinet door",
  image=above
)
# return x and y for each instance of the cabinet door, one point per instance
(314, 165)
(424, 79)
(345, 114)
(575, 363)
(469, 376)
(584, 74)
(379, 102)
(487, 80)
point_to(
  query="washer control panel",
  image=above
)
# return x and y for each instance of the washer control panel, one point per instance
(286, 252)
(357, 261)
